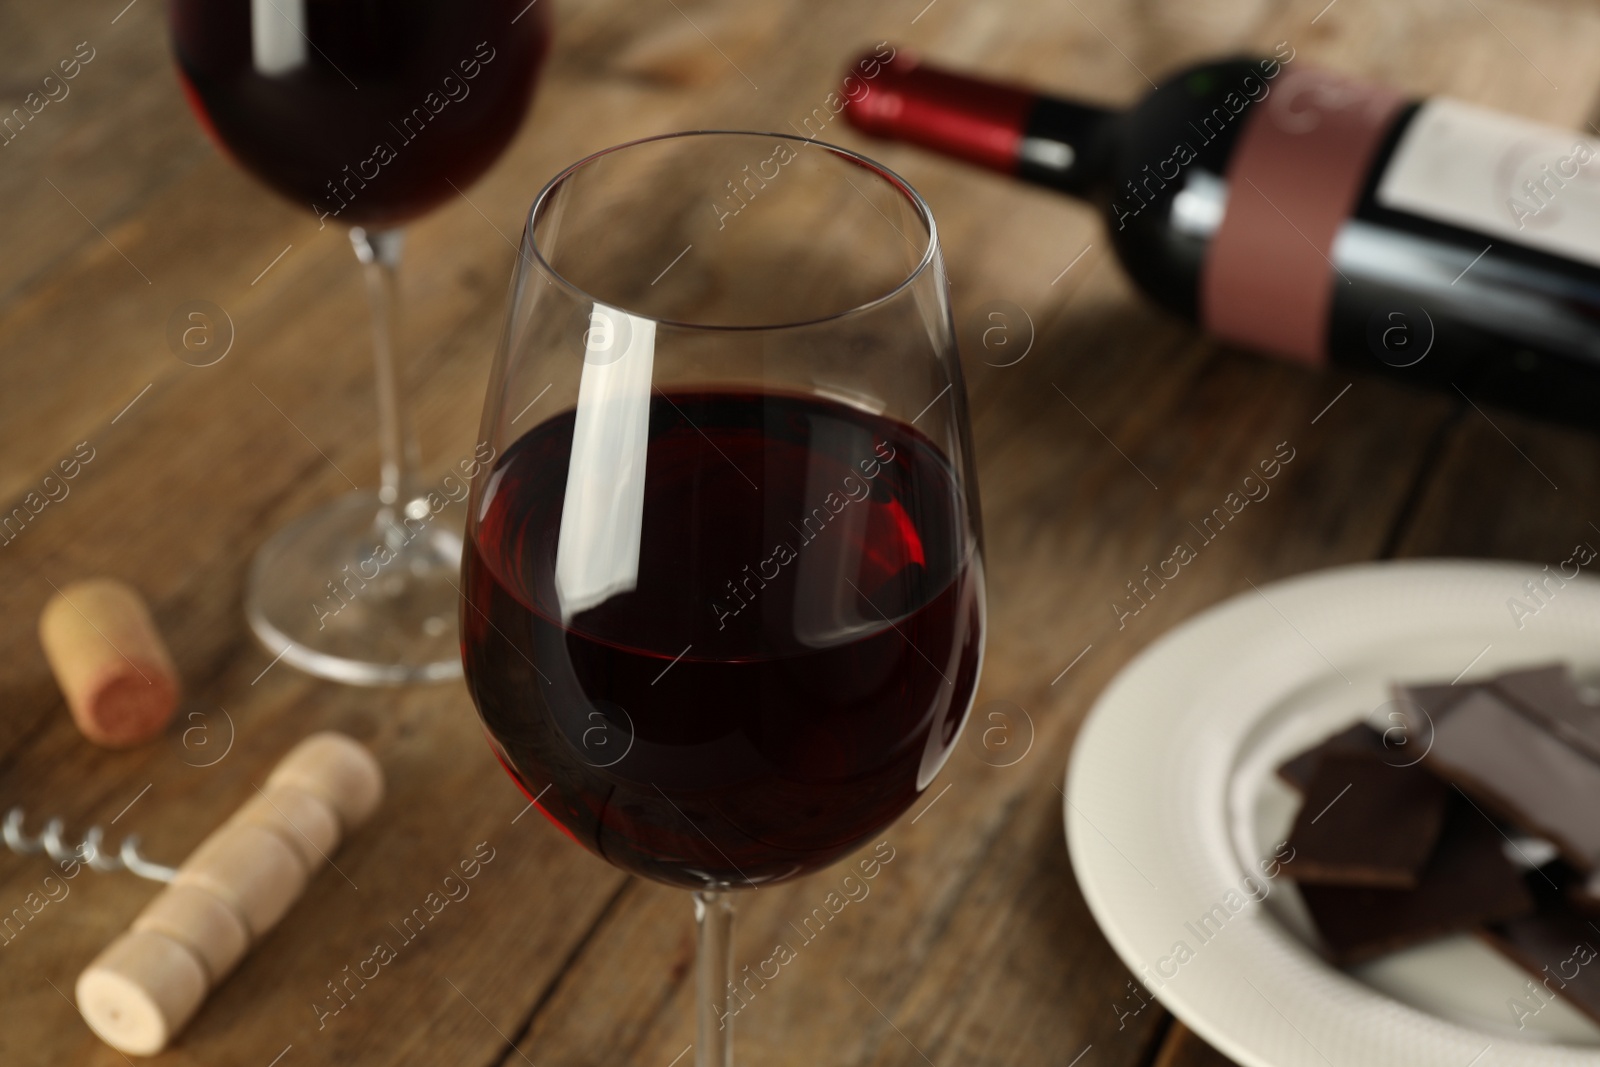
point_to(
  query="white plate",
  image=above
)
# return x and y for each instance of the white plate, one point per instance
(1172, 802)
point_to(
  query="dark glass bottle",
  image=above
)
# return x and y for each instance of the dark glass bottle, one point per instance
(1312, 217)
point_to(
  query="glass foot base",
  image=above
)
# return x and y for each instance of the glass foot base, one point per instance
(361, 593)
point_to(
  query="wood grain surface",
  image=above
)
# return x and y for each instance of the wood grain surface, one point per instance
(1120, 425)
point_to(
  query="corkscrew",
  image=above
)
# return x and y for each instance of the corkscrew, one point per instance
(234, 887)
(89, 851)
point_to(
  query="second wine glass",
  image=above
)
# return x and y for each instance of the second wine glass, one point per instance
(723, 603)
(367, 114)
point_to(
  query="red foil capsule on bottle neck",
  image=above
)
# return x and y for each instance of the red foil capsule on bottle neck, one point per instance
(977, 121)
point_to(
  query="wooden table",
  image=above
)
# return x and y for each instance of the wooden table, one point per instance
(975, 946)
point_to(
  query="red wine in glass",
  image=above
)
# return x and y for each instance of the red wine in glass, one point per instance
(364, 112)
(790, 667)
(722, 607)
(367, 113)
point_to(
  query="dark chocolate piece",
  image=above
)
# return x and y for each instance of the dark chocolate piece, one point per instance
(1418, 710)
(1366, 823)
(1467, 882)
(1558, 948)
(1547, 696)
(1299, 771)
(1518, 770)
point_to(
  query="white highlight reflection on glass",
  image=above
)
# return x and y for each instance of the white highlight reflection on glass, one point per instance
(602, 518)
(277, 35)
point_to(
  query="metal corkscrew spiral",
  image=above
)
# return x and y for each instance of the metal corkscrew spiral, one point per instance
(89, 851)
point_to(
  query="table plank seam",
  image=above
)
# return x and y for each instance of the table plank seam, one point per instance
(1429, 465)
(549, 991)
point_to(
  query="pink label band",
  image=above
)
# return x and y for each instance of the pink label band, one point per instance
(1299, 165)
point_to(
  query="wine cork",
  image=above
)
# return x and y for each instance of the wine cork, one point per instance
(140, 991)
(336, 769)
(200, 922)
(250, 869)
(109, 659)
(305, 822)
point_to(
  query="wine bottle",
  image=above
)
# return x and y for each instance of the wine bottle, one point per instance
(1304, 214)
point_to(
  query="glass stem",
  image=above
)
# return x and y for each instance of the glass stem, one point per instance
(713, 914)
(398, 453)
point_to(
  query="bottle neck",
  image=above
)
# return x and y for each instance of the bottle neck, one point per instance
(1007, 128)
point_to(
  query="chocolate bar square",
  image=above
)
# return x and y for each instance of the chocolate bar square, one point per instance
(1419, 709)
(1366, 823)
(1522, 772)
(1299, 771)
(1547, 695)
(1467, 882)
(1558, 948)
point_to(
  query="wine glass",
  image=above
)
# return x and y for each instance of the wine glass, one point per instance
(722, 588)
(368, 114)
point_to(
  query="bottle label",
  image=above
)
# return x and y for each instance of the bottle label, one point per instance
(1505, 177)
(1296, 173)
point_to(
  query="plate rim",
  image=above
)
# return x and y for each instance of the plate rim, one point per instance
(1233, 1037)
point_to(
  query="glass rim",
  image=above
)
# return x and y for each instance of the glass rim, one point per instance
(924, 212)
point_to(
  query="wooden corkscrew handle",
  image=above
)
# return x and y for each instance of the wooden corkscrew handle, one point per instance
(235, 886)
